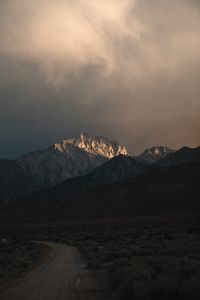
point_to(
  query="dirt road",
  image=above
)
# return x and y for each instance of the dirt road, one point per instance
(61, 277)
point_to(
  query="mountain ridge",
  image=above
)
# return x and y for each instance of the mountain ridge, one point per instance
(182, 155)
(72, 157)
(118, 171)
(166, 190)
(78, 156)
(93, 145)
(154, 154)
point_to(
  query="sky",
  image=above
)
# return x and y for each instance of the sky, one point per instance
(126, 69)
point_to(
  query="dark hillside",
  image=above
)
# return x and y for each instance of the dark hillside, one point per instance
(167, 190)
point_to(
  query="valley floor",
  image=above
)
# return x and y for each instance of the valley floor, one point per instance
(143, 258)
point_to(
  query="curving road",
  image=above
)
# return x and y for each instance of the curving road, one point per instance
(61, 277)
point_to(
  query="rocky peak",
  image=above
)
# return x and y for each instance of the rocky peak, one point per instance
(153, 154)
(93, 145)
(159, 151)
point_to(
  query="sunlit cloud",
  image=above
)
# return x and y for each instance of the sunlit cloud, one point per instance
(137, 39)
(72, 62)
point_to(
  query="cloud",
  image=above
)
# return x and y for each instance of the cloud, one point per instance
(140, 38)
(77, 33)
(74, 62)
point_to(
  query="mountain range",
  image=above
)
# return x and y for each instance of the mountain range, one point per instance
(166, 190)
(85, 173)
(41, 169)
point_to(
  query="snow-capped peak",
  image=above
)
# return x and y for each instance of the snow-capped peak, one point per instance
(159, 150)
(153, 154)
(93, 145)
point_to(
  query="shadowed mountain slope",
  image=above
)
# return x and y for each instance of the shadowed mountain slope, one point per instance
(169, 190)
(117, 169)
(182, 156)
(14, 182)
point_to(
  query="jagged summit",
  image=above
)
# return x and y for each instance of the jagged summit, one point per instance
(71, 157)
(93, 145)
(154, 154)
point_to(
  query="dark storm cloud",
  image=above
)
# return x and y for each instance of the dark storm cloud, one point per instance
(71, 65)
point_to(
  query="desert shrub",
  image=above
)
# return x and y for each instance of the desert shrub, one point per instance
(18, 255)
(155, 278)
